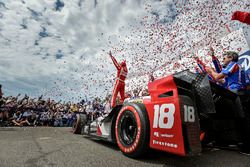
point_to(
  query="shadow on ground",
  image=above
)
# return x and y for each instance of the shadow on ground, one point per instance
(209, 157)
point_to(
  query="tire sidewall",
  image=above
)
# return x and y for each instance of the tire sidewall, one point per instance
(141, 141)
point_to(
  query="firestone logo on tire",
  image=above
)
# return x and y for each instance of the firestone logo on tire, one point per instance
(135, 143)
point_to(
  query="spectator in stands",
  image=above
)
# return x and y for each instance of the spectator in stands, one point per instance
(81, 108)
(135, 93)
(70, 119)
(19, 120)
(32, 119)
(64, 119)
(107, 105)
(89, 108)
(74, 108)
(231, 73)
(58, 119)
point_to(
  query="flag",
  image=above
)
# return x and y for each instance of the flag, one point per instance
(243, 17)
(202, 67)
(217, 64)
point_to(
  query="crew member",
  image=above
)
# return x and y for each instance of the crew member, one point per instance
(231, 72)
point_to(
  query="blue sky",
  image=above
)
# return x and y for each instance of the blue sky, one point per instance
(59, 48)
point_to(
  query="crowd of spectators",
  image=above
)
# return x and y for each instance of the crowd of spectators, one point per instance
(27, 111)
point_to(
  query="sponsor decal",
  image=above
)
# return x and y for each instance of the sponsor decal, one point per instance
(167, 135)
(157, 134)
(136, 101)
(166, 144)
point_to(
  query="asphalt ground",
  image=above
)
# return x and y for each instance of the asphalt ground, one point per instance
(48, 147)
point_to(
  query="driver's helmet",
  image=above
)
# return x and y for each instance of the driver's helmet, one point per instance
(123, 63)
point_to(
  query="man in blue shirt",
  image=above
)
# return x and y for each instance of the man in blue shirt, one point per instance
(231, 72)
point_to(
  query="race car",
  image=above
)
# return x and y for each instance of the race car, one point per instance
(181, 113)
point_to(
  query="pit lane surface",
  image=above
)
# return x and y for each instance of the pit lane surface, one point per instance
(46, 146)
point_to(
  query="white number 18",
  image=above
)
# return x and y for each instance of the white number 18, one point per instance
(189, 113)
(160, 113)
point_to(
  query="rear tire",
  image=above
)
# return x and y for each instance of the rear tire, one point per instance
(132, 130)
(81, 120)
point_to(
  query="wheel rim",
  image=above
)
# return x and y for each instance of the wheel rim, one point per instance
(128, 129)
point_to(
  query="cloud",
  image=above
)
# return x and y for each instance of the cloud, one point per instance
(60, 47)
(59, 5)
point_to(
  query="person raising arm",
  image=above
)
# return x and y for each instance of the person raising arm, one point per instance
(231, 73)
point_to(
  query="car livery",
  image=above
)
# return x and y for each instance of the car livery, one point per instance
(182, 112)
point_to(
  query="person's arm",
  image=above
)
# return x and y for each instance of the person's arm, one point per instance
(117, 65)
(41, 97)
(18, 95)
(200, 64)
(215, 61)
(203, 68)
(216, 76)
(227, 71)
(125, 68)
(59, 102)
(21, 101)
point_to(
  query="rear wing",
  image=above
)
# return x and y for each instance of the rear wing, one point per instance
(197, 87)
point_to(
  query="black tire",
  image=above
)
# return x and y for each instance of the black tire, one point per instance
(81, 120)
(132, 130)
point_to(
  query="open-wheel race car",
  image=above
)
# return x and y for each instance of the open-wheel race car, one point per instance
(182, 113)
